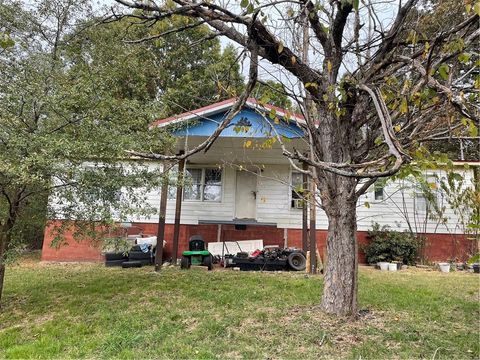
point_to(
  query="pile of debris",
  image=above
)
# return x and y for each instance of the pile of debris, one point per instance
(141, 253)
(271, 258)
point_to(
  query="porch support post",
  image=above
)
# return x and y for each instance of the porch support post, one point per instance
(161, 222)
(313, 229)
(178, 209)
(219, 232)
(305, 210)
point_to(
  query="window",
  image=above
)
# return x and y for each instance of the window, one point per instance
(203, 184)
(172, 183)
(378, 190)
(428, 194)
(420, 202)
(297, 189)
(193, 184)
(212, 190)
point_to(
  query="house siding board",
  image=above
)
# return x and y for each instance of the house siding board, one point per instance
(390, 211)
(273, 203)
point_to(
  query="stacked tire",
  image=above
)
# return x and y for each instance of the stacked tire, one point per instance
(136, 254)
(115, 259)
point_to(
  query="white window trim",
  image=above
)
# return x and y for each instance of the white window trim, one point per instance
(429, 178)
(383, 193)
(290, 188)
(202, 184)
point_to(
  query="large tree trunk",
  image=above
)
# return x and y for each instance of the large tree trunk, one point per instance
(340, 285)
(337, 143)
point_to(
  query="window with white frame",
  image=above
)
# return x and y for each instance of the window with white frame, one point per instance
(172, 182)
(420, 201)
(379, 190)
(212, 184)
(203, 184)
(296, 190)
(427, 195)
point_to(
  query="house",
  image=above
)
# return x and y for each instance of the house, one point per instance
(243, 188)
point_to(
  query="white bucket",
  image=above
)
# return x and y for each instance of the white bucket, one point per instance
(383, 265)
(392, 266)
(444, 267)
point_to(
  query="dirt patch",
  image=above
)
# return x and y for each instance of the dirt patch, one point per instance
(307, 329)
(339, 330)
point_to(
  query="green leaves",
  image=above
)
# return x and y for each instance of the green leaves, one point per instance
(464, 57)
(476, 8)
(273, 93)
(248, 6)
(470, 124)
(404, 106)
(6, 41)
(95, 102)
(355, 4)
(443, 71)
(311, 85)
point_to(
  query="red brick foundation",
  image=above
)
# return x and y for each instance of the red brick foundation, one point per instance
(438, 247)
(70, 249)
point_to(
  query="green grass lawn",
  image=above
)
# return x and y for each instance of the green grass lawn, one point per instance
(89, 311)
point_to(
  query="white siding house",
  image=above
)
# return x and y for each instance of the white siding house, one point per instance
(244, 180)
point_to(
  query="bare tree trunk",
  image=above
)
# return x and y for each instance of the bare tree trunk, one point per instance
(5, 236)
(340, 287)
(339, 202)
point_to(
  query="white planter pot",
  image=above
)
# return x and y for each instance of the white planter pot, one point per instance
(392, 266)
(383, 265)
(444, 267)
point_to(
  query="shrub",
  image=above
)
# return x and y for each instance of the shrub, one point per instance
(474, 259)
(388, 245)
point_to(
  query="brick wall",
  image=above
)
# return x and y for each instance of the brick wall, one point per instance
(438, 247)
(71, 249)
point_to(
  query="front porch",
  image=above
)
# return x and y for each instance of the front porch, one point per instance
(242, 182)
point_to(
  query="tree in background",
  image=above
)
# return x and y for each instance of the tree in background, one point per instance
(375, 85)
(52, 119)
(273, 93)
(75, 94)
(180, 70)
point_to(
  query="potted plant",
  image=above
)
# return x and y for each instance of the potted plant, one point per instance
(444, 267)
(383, 265)
(399, 262)
(474, 263)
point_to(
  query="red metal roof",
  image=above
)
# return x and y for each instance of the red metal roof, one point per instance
(222, 105)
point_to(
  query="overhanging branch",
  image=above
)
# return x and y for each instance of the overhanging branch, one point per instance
(236, 108)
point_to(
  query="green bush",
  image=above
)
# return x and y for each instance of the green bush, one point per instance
(388, 245)
(474, 259)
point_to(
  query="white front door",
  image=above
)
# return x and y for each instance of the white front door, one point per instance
(246, 195)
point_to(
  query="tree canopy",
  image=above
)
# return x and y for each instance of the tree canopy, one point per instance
(76, 94)
(376, 80)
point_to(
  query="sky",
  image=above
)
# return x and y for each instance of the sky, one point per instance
(385, 9)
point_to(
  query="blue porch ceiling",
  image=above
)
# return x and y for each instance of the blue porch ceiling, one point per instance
(246, 124)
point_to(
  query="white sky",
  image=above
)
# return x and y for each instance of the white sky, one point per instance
(385, 9)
